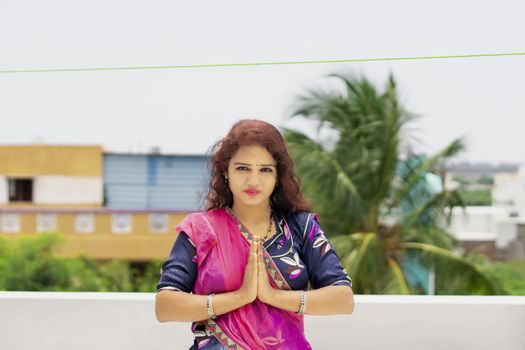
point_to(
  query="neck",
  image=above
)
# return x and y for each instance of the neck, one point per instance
(252, 215)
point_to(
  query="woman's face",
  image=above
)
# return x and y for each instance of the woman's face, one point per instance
(252, 175)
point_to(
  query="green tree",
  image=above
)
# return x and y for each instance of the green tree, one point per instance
(371, 192)
(486, 180)
(31, 264)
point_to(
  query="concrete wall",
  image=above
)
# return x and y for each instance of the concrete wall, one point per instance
(137, 235)
(68, 190)
(61, 191)
(4, 190)
(64, 160)
(60, 321)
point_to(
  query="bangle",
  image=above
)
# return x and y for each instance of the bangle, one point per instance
(302, 309)
(209, 306)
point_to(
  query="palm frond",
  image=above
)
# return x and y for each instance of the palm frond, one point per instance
(400, 286)
(364, 262)
(454, 273)
(433, 206)
(320, 171)
(425, 166)
(430, 235)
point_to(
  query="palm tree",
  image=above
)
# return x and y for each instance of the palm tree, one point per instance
(372, 195)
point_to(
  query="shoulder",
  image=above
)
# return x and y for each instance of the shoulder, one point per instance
(197, 225)
(300, 221)
(187, 220)
(200, 216)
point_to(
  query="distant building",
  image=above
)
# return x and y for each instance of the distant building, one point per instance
(121, 205)
(49, 176)
(508, 191)
(108, 205)
(154, 181)
(485, 230)
(489, 230)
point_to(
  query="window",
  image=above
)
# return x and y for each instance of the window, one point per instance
(20, 190)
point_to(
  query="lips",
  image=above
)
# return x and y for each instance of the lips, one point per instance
(252, 192)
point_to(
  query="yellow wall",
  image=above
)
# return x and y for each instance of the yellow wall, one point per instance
(33, 160)
(64, 160)
(138, 245)
(50, 205)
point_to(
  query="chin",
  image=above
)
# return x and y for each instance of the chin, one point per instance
(253, 202)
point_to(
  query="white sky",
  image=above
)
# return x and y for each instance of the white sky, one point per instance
(185, 111)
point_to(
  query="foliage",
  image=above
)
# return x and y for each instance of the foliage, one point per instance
(377, 198)
(30, 264)
(509, 274)
(477, 197)
(486, 180)
(460, 180)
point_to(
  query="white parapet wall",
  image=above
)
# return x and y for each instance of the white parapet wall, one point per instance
(68, 190)
(4, 190)
(60, 190)
(126, 321)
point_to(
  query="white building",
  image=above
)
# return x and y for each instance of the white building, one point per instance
(508, 191)
(497, 230)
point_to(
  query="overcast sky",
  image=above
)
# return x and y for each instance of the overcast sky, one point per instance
(186, 111)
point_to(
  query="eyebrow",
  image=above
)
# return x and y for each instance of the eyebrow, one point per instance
(240, 163)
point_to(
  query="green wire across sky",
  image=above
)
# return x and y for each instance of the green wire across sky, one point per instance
(253, 64)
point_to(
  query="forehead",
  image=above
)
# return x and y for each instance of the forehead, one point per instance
(253, 154)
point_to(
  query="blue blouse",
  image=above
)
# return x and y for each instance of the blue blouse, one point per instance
(299, 249)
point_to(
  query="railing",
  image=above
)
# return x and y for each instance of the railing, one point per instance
(64, 321)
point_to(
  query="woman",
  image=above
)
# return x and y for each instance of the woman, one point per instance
(239, 270)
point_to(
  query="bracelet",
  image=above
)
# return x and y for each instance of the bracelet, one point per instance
(209, 306)
(302, 309)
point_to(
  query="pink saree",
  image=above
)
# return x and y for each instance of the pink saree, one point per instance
(222, 248)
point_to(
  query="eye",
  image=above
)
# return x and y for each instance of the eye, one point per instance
(267, 170)
(241, 168)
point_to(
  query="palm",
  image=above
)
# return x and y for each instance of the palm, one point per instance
(374, 201)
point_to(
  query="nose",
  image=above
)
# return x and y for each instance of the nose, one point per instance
(253, 179)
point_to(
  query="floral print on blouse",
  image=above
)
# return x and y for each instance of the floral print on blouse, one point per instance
(299, 248)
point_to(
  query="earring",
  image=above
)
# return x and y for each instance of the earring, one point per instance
(225, 178)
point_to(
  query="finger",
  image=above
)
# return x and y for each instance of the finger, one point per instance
(261, 262)
(252, 258)
(253, 255)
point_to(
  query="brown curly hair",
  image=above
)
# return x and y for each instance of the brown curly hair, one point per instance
(285, 197)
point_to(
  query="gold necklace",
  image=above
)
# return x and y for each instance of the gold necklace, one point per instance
(269, 227)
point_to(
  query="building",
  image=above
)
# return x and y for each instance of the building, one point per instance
(508, 191)
(107, 205)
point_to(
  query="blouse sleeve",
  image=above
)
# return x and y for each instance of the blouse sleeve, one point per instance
(179, 272)
(322, 262)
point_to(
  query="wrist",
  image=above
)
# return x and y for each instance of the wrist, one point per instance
(241, 297)
(269, 296)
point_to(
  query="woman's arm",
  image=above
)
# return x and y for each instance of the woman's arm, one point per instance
(331, 291)
(181, 306)
(327, 300)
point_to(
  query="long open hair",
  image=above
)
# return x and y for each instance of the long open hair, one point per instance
(286, 197)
